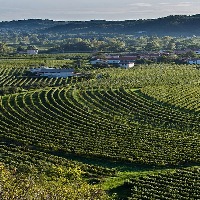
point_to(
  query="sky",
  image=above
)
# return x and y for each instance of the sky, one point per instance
(68, 10)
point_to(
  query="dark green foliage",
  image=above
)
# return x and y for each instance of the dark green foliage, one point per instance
(69, 122)
(167, 33)
(181, 184)
(62, 183)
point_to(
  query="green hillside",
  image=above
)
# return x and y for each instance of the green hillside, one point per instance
(173, 25)
(123, 129)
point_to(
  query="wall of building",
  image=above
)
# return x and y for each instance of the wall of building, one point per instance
(194, 62)
(127, 65)
(59, 75)
(32, 52)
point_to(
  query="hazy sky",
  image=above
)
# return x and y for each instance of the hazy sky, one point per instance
(95, 9)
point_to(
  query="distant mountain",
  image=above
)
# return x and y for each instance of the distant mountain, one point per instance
(174, 25)
(30, 25)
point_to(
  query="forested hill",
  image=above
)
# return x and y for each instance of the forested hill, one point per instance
(174, 25)
(30, 25)
(171, 25)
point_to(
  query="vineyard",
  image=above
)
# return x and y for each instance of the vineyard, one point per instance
(180, 184)
(144, 118)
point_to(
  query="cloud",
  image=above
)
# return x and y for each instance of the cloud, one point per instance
(90, 9)
(164, 3)
(183, 4)
(141, 4)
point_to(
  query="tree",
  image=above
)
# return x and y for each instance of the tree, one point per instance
(171, 46)
(152, 46)
(63, 183)
(3, 48)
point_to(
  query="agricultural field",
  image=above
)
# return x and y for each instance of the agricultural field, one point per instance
(133, 134)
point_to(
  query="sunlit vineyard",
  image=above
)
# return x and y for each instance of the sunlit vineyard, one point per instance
(181, 96)
(180, 184)
(146, 117)
(141, 76)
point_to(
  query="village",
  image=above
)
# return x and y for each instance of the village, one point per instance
(128, 60)
(122, 60)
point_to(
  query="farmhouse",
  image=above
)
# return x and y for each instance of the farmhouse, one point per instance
(32, 50)
(126, 65)
(98, 61)
(128, 59)
(53, 72)
(113, 60)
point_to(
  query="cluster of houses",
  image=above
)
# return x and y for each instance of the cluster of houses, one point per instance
(128, 61)
(121, 61)
(190, 60)
(125, 61)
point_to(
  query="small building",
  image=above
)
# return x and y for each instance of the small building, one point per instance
(128, 59)
(126, 65)
(32, 50)
(111, 56)
(113, 60)
(53, 72)
(197, 52)
(179, 52)
(194, 61)
(98, 61)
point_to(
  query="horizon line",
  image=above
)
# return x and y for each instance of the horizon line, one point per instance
(13, 20)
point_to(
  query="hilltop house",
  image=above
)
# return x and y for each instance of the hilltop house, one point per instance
(53, 72)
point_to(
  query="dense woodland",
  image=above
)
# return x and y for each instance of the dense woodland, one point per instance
(168, 33)
(112, 133)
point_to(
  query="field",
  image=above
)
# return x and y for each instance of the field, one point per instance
(131, 132)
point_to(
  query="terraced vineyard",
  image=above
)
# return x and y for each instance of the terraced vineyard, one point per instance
(87, 123)
(180, 184)
(16, 77)
(183, 97)
(118, 118)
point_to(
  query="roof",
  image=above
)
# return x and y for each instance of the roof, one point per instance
(113, 58)
(124, 58)
(128, 58)
(32, 47)
(194, 59)
(122, 62)
(55, 70)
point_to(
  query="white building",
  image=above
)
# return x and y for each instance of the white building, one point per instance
(194, 61)
(126, 65)
(53, 72)
(124, 62)
(113, 60)
(98, 61)
(32, 50)
(197, 52)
